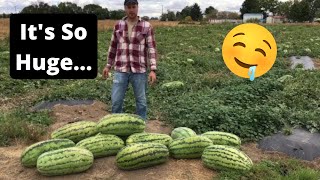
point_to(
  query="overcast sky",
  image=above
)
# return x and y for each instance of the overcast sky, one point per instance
(150, 8)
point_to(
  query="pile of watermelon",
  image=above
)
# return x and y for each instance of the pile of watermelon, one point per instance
(73, 147)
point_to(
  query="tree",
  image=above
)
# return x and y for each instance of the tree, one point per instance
(196, 13)
(233, 15)
(171, 16)
(68, 7)
(54, 9)
(154, 18)
(283, 8)
(268, 5)
(117, 14)
(146, 18)
(185, 12)
(300, 11)
(42, 7)
(178, 16)
(250, 6)
(97, 10)
(211, 12)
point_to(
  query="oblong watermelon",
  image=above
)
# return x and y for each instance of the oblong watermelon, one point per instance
(141, 155)
(76, 131)
(30, 155)
(149, 137)
(189, 147)
(223, 138)
(64, 161)
(102, 145)
(122, 124)
(222, 157)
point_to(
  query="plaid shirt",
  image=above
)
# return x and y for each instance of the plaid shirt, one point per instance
(132, 56)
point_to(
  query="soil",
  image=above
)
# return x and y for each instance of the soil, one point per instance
(105, 168)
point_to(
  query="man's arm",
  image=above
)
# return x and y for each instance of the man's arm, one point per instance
(112, 49)
(152, 51)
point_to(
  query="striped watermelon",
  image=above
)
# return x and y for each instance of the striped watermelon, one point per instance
(121, 124)
(76, 131)
(222, 157)
(30, 155)
(223, 138)
(182, 132)
(102, 145)
(141, 155)
(189, 147)
(64, 161)
(149, 137)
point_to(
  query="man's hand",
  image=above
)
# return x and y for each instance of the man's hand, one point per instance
(105, 73)
(152, 77)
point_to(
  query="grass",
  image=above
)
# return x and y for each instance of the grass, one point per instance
(289, 169)
(23, 125)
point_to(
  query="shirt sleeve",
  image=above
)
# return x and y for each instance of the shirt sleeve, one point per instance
(112, 49)
(152, 51)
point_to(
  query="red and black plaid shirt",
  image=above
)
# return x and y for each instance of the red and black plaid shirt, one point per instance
(132, 56)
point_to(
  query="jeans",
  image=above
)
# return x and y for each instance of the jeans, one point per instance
(139, 83)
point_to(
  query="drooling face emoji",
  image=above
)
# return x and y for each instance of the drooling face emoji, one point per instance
(249, 50)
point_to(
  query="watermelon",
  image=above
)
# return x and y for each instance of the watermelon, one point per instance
(141, 155)
(64, 161)
(223, 138)
(122, 124)
(76, 131)
(149, 137)
(182, 132)
(189, 147)
(102, 145)
(30, 155)
(172, 85)
(222, 157)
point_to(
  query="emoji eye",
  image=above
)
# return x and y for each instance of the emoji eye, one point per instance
(239, 44)
(261, 51)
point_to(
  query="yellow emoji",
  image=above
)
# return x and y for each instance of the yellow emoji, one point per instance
(249, 50)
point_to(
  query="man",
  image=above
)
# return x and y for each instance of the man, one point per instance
(132, 44)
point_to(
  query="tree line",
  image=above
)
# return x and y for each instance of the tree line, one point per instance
(72, 8)
(194, 12)
(295, 10)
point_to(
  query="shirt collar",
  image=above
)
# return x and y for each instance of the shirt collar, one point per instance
(139, 18)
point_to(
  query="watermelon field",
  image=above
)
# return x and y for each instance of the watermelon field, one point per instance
(209, 98)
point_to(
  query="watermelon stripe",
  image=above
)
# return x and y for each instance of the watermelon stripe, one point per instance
(148, 154)
(65, 164)
(64, 168)
(176, 143)
(148, 160)
(55, 153)
(88, 143)
(51, 149)
(76, 131)
(122, 122)
(226, 156)
(226, 164)
(139, 150)
(67, 129)
(55, 141)
(227, 153)
(148, 140)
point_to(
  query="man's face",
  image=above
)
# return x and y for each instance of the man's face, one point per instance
(131, 10)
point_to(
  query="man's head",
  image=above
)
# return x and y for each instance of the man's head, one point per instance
(131, 8)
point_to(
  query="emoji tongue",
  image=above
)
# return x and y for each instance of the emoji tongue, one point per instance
(252, 71)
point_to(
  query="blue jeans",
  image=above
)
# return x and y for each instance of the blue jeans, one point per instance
(139, 83)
